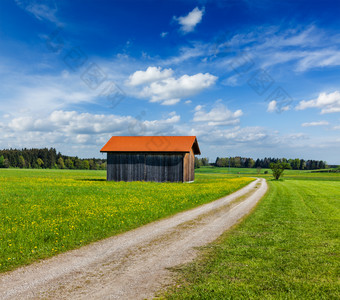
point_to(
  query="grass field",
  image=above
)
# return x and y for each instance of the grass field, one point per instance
(45, 212)
(288, 174)
(289, 248)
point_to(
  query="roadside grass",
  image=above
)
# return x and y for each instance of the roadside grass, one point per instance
(45, 212)
(288, 248)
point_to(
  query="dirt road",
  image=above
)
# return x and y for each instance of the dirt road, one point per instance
(133, 265)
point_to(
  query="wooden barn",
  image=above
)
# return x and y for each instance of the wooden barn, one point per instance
(151, 158)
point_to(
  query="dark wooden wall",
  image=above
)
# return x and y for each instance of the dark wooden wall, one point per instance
(160, 167)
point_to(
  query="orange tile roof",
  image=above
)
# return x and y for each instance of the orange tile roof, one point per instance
(151, 144)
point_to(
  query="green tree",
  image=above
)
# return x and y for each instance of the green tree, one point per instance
(302, 164)
(278, 168)
(78, 164)
(40, 162)
(296, 164)
(103, 165)
(198, 163)
(6, 163)
(205, 161)
(61, 164)
(2, 161)
(22, 162)
(93, 165)
(249, 163)
(237, 162)
(69, 163)
(221, 162)
(86, 164)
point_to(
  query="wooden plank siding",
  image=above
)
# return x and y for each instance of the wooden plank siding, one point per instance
(189, 166)
(159, 167)
(123, 167)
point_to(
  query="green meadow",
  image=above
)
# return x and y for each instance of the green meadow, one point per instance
(288, 248)
(45, 212)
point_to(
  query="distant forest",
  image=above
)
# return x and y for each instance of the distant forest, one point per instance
(47, 159)
(51, 159)
(243, 162)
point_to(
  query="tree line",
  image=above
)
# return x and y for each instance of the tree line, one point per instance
(246, 162)
(51, 159)
(47, 159)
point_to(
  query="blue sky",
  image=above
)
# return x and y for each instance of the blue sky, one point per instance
(249, 78)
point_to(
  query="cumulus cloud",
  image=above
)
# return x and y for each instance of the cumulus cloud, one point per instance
(218, 115)
(81, 125)
(161, 86)
(67, 129)
(274, 106)
(172, 88)
(189, 22)
(150, 75)
(271, 106)
(320, 123)
(226, 137)
(328, 103)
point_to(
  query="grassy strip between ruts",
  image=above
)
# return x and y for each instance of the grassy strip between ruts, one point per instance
(45, 212)
(287, 249)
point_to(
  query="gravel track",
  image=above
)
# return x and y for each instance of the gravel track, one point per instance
(135, 264)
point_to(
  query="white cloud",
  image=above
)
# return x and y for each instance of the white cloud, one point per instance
(218, 115)
(328, 103)
(306, 48)
(72, 122)
(232, 80)
(164, 34)
(23, 93)
(67, 130)
(161, 86)
(170, 101)
(172, 88)
(188, 102)
(83, 138)
(319, 123)
(319, 58)
(150, 75)
(186, 53)
(42, 10)
(229, 137)
(272, 106)
(189, 21)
